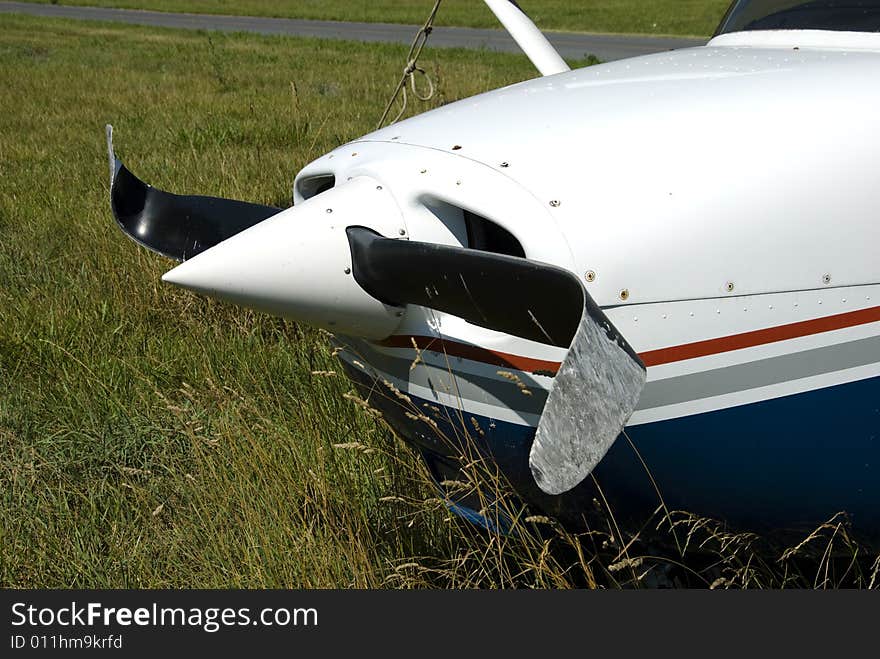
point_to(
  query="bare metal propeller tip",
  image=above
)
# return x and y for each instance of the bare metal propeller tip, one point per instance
(594, 394)
(114, 163)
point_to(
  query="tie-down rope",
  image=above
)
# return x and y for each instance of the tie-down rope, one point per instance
(412, 67)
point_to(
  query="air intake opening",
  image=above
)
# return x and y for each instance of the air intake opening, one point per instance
(315, 185)
(487, 236)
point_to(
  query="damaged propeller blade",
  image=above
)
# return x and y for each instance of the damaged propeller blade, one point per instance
(176, 226)
(601, 378)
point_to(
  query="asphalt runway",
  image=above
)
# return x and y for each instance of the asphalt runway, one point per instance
(571, 45)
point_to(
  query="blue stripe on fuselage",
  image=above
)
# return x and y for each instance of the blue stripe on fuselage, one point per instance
(789, 462)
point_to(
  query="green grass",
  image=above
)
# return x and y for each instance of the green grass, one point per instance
(152, 438)
(658, 17)
(148, 437)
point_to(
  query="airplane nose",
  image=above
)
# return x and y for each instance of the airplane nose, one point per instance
(298, 265)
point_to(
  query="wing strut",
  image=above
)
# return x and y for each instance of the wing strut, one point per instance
(529, 38)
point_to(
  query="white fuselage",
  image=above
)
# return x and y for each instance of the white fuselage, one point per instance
(701, 194)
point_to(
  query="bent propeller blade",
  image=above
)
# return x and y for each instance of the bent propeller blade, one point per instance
(594, 394)
(601, 378)
(176, 226)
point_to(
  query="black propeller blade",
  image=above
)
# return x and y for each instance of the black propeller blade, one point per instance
(599, 382)
(504, 293)
(177, 226)
(508, 294)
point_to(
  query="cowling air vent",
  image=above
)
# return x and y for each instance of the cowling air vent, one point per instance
(315, 185)
(486, 236)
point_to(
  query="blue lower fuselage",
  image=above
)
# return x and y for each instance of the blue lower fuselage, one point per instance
(789, 463)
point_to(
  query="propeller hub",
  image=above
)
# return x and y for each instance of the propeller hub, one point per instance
(297, 264)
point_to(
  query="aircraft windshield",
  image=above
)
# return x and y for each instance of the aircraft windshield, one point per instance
(849, 15)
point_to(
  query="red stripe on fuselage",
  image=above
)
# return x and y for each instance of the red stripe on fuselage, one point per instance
(760, 337)
(652, 357)
(474, 353)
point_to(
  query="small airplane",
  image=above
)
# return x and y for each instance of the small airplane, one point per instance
(660, 274)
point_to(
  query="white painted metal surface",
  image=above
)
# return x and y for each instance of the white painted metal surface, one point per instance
(701, 173)
(424, 180)
(797, 39)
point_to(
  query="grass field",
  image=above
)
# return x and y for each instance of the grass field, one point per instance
(151, 438)
(658, 17)
(148, 437)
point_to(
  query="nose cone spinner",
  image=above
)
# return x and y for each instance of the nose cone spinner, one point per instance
(297, 264)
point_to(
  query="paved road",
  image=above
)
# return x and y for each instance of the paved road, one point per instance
(606, 47)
